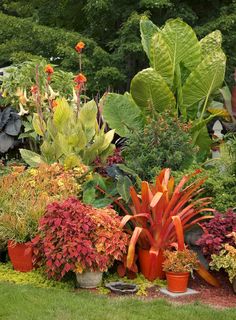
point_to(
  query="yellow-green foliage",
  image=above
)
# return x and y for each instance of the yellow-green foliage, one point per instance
(141, 281)
(226, 259)
(24, 195)
(35, 278)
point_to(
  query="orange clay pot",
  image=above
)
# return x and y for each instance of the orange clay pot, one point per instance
(144, 262)
(177, 281)
(21, 256)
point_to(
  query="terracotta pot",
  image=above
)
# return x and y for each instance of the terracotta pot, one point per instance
(89, 279)
(144, 262)
(21, 256)
(177, 282)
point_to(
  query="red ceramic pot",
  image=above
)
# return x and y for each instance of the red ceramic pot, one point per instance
(145, 261)
(177, 281)
(21, 256)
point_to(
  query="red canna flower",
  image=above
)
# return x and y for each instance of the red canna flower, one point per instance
(80, 78)
(79, 47)
(49, 69)
(34, 89)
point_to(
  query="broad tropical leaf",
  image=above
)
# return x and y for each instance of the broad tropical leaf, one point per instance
(147, 29)
(121, 113)
(182, 42)
(211, 42)
(62, 113)
(31, 158)
(151, 93)
(203, 81)
(160, 58)
(123, 185)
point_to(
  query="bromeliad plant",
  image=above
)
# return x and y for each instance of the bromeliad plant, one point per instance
(76, 237)
(156, 211)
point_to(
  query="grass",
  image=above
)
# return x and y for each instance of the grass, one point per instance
(24, 302)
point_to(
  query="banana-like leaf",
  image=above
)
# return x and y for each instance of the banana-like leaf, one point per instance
(39, 125)
(203, 81)
(151, 93)
(87, 117)
(147, 30)
(31, 158)
(211, 42)
(108, 137)
(122, 114)
(62, 114)
(182, 42)
(160, 58)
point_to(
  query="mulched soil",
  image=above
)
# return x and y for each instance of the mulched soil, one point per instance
(222, 297)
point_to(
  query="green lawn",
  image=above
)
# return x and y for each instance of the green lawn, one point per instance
(29, 303)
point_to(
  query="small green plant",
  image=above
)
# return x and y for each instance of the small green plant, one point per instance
(163, 143)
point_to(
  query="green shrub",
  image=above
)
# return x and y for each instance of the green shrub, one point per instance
(164, 143)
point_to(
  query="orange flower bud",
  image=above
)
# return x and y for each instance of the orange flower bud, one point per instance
(79, 47)
(54, 104)
(49, 69)
(80, 78)
(34, 89)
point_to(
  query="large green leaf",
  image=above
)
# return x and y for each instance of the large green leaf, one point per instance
(39, 125)
(160, 58)
(123, 187)
(87, 117)
(203, 81)
(182, 42)
(211, 42)
(31, 158)
(147, 30)
(121, 113)
(62, 114)
(150, 92)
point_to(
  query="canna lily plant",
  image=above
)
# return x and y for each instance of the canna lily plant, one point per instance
(161, 214)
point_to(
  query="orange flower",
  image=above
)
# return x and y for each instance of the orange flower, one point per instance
(54, 104)
(78, 87)
(80, 78)
(49, 69)
(79, 47)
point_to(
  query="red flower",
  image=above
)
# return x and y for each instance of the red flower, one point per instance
(34, 89)
(49, 69)
(78, 87)
(79, 47)
(80, 78)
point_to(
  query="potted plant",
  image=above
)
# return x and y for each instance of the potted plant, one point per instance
(178, 265)
(226, 259)
(24, 195)
(152, 218)
(79, 238)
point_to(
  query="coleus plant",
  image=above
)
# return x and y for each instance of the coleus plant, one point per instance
(77, 237)
(162, 212)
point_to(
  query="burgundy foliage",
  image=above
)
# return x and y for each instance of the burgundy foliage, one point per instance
(75, 237)
(216, 231)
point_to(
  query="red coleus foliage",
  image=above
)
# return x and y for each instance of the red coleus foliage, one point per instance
(77, 237)
(216, 231)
